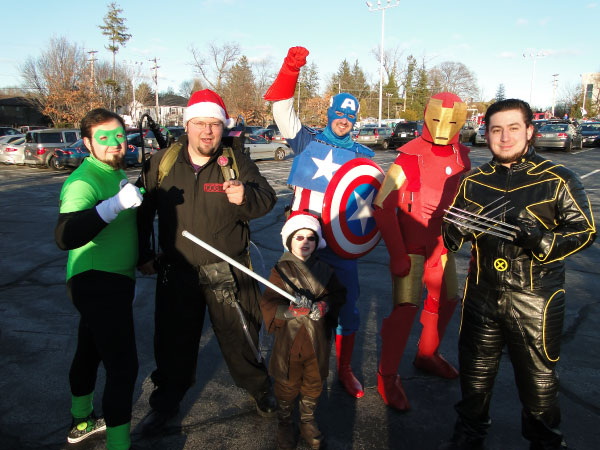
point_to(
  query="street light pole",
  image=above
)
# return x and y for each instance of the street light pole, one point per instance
(534, 57)
(554, 84)
(381, 8)
(388, 95)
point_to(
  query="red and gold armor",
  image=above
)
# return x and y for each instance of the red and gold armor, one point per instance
(409, 208)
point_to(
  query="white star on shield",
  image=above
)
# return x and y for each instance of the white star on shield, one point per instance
(364, 211)
(326, 166)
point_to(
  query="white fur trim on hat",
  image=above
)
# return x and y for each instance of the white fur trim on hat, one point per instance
(207, 103)
(299, 222)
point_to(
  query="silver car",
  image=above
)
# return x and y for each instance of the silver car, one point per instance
(480, 136)
(13, 152)
(257, 147)
(41, 144)
(559, 135)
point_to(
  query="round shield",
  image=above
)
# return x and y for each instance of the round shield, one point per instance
(348, 222)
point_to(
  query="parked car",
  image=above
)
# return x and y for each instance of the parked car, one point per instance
(8, 138)
(480, 136)
(468, 132)
(174, 134)
(559, 135)
(257, 147)
(406, 132)
(73, 155)
(41, 144)
(590, 132)
(8, 130)
(266, 133)
(13, 152)
(149, 138)
(278, 138)
(375, 137)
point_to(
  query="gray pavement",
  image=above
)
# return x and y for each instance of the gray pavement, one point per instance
(38, 335)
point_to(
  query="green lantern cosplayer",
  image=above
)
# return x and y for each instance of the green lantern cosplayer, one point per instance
(97, 224)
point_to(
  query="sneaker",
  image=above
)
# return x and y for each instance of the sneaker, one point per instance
(83, 428)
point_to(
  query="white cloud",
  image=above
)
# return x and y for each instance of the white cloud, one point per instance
(544, 20)
(521, 21)
(591, 5)
(506, 55)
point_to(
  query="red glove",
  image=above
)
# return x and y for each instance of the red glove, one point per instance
(285, 84)
(298, 311)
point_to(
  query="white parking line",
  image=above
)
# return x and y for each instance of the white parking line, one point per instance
(591, 173)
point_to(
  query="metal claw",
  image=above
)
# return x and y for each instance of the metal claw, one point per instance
(482, 218)
(508, 237)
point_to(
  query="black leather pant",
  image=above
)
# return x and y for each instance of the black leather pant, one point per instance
(530, 325)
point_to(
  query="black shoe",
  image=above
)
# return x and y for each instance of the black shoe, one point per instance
(155, 421)
(266, 405)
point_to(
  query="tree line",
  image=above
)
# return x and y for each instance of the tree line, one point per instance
(66, 81)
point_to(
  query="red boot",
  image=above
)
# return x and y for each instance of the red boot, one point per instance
(344, 346)
(395, 330)
(428, 358)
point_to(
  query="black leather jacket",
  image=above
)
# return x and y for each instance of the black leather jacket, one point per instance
(536, 188)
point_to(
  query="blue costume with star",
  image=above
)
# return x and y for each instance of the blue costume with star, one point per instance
(318, 156)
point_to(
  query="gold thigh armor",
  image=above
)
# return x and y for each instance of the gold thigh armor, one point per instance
(409, 289)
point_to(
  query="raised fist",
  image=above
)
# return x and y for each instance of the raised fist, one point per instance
(296, 58)
(400, 266)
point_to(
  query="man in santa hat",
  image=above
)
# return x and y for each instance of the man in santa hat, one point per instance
(212, 192)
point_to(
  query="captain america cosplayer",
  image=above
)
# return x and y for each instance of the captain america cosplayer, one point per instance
(319, 155)
(409, 208)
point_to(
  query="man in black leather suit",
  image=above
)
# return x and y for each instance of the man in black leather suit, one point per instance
(514, 293)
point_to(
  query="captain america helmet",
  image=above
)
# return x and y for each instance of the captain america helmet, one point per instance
(341, 106)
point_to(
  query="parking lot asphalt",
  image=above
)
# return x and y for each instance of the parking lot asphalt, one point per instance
(38, 330)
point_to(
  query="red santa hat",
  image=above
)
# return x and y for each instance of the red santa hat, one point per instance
(300, 220)
(207, 103)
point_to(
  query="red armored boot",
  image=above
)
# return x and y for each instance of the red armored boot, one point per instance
(428, 357)
(344, 346)
(395, 330)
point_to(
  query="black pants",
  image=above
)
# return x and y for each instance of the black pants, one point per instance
(530, 325)
(181, 302)
(105, 334)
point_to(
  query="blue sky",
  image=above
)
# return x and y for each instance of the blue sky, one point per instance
(490, 38)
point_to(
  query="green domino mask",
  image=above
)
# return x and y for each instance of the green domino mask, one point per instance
(112, 138)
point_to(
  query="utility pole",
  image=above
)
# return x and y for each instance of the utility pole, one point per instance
(92, 54)
(155, 77)
(554, 84)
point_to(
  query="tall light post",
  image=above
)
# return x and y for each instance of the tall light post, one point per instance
(554, 84)
(534, 56)
(134, 71)
(381, 8)
(388, 95)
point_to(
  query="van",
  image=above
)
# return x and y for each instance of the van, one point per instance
(40, 144)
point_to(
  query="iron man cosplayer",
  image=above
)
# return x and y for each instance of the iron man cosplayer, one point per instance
(409, 207)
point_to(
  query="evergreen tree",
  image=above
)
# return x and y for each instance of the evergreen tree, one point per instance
(500, 94)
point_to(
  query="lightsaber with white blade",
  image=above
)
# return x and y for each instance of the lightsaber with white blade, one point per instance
(236, 264)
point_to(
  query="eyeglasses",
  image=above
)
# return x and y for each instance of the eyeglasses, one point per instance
(300, 238)
(205, 125)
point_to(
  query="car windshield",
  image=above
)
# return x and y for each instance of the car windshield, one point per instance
(591, 127)
(255, 139)
(78, 143)
(367, 132)
(554, 128)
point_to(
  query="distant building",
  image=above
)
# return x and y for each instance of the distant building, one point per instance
(170, 107)
(591, 88)
(19, 111)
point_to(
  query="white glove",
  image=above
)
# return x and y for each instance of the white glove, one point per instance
(128, 197)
